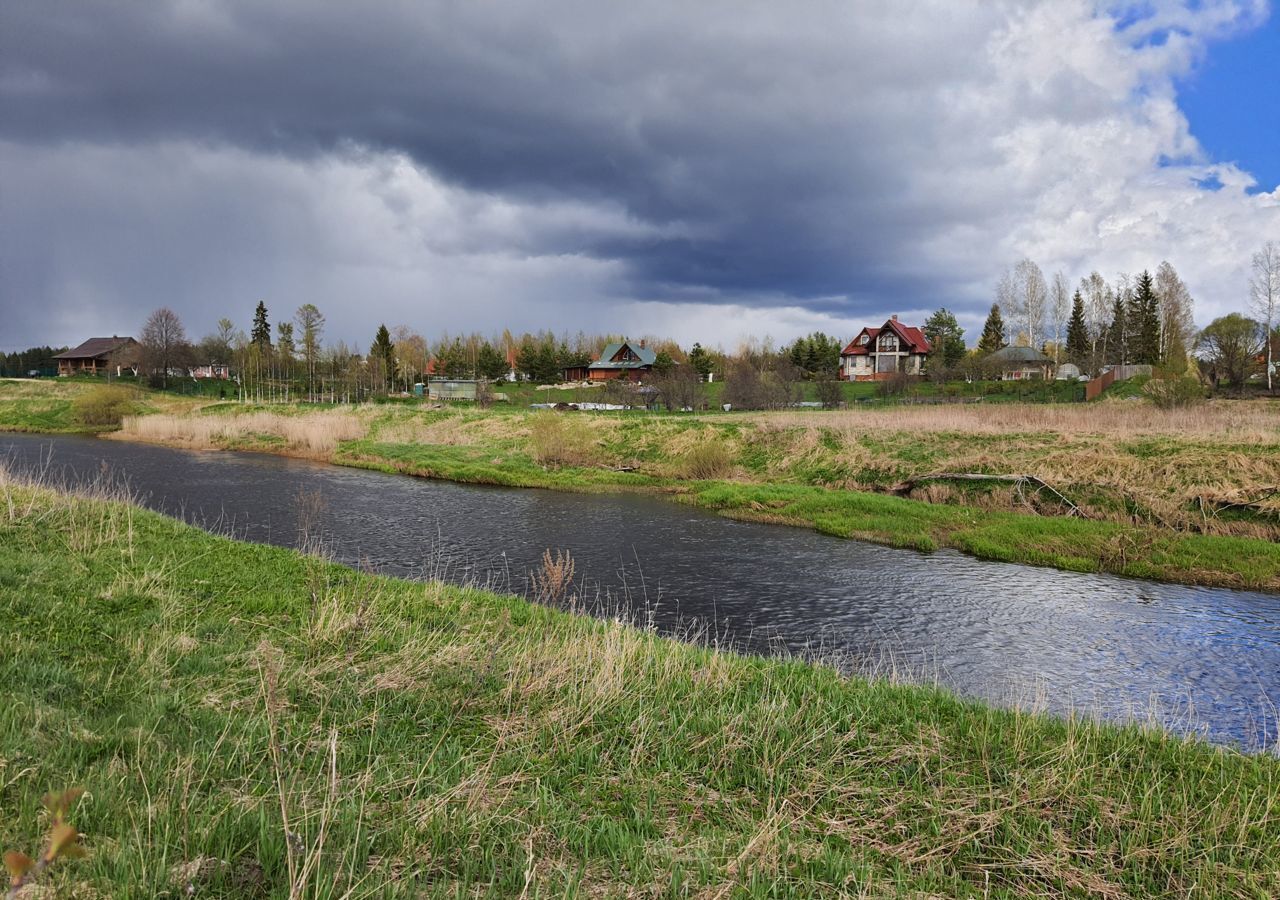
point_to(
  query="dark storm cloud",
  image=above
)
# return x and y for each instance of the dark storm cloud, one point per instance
(480, 164)
(752, 133)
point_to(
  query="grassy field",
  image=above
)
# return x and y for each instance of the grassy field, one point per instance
(1190, 495)
(248, 721)
(76, 405)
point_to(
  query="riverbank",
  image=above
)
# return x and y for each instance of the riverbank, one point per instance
(1184, 496)
(837, 472)
(214, 696)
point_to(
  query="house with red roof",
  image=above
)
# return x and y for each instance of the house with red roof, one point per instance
(879, 353)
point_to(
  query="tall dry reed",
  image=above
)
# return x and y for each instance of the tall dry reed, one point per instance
(316, 434)
(1234, 420)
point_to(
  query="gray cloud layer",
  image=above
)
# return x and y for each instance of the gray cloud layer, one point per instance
(526, 162)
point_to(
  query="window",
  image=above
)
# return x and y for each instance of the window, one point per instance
(888, 343)
(862, 339)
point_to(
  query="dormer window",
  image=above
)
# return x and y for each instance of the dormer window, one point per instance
(862, 339)
(888, 343)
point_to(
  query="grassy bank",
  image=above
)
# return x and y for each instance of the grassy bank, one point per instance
(1189, 496)
(79, 405)
(1144, 480)
(239, 713)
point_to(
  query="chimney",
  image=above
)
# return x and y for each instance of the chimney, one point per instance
(894, 317)
(641, 343)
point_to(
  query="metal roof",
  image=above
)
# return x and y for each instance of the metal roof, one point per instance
(645, 356)
(1020, 354)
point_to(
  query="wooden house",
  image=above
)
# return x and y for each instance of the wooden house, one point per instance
(93, 357)
(879, 353)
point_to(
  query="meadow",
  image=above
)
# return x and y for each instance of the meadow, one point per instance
(250, 721)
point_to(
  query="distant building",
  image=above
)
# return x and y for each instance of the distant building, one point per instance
(624, 360)
(879, 353)
(1019, 363)
(220, 371)
(93, 357)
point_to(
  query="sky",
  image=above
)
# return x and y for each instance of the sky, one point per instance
(705, 171)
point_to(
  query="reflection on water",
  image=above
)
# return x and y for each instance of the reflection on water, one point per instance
(1199, 658)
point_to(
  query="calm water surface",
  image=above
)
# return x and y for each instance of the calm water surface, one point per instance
(1200, 659)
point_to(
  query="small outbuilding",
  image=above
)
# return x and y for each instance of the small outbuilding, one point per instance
(1020, 363)
(1068, 372)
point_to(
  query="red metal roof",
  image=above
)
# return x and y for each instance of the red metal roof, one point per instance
(913, 337)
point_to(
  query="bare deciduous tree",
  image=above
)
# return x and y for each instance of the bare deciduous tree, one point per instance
(1097, 311)
(1264, 297)
(1177, 323)
(1024, 296)
(164, 343)
(311, 322)
(1059, 309)
(1010, 305)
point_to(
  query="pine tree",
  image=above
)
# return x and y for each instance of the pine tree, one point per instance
(260, 335)
(946, 337)
(993, 331)
(700, 360)
(1118, 333)
(1077, 332)
(1144, 323)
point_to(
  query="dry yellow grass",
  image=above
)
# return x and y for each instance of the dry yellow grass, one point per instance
(1232, 420)
(315, 434)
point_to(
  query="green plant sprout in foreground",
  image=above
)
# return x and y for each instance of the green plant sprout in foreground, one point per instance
(63, 842)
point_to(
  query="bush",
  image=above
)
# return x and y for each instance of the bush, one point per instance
(895, 385)
(1171, 392)
(103, 406)
(830, 392)
(710, 459)
(557, 441)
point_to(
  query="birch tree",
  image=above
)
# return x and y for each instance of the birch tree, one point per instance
(1097, 312)
(1264, 296)
(311, 322)
(1032, 295)
(1177, 323)
(1008, 302)
(1059, 309)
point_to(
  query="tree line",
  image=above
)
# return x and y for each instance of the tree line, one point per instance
(1146, 319)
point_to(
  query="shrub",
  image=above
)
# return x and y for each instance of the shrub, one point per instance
(895, 385)
(103, 405)
(830, 392)
(1173, 391)
(556, 440)
(709, 459)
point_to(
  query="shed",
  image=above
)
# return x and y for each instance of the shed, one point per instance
(1020, 363)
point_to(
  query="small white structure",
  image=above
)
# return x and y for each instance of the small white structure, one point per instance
(1068, 372)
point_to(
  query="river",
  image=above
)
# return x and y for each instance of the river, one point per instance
(1202, 660)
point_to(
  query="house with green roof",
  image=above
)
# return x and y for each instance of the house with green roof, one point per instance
(623, 360)
(1020, 363)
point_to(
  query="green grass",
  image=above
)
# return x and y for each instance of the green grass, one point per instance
(447, 742)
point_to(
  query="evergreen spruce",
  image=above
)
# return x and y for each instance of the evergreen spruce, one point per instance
(385, 352)
(1144, 318)
(1077, 333)
(993, 331)
(700, 359)
(260, 335)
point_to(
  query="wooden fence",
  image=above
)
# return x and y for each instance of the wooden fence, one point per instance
(1095, 387)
